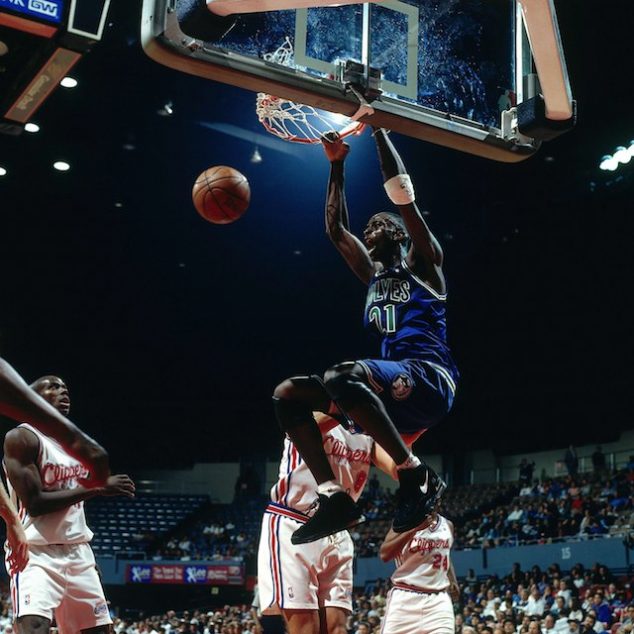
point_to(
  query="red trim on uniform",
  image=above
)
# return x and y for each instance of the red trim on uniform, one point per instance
(406, 586)
(293, 458)
(376, 386)
(410, 439)
(277, 594)
(284, 511)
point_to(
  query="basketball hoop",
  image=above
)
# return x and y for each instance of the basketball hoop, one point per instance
(297, 122)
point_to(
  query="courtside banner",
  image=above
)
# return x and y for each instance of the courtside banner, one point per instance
(49, 10)
(213, 575)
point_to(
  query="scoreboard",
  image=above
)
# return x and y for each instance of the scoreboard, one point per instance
(40, 42)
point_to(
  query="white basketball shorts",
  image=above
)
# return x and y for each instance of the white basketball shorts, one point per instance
(303, 577)
(61, 580)
(416, 613)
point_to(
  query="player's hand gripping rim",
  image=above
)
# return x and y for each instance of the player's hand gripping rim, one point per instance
(334, 147)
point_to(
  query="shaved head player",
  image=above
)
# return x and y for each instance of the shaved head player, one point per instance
(61, 577)
(19, 402)
(411, 387)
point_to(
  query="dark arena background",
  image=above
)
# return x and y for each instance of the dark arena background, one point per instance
(172, 333)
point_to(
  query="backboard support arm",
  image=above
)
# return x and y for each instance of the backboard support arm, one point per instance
(540, 20)
(232, 7)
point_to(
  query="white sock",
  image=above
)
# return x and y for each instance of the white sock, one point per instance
(411, 463)
(329, 487)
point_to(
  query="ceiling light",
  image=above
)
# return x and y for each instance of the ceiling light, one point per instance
(4, 49)
(32, 127)
(3, 172)
(622, 155)
(167, 110)
(61, 166)
(608, 163)
(68, 82)
(256, 157)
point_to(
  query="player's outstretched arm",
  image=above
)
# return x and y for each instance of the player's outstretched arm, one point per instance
(21, 448)
(399, 189)
(19, 402)
(337, 221)
(393, 543)
(18, 547)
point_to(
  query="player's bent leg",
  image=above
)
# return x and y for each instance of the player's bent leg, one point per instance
(33, 624)
(348, 386)
(305, 389)
(302, 621)
(294, 401)
(336, 620)
(420, 487)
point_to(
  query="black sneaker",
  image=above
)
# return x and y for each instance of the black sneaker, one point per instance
(335, 513)
(421, 489)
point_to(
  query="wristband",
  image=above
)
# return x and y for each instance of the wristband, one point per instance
(400, 190)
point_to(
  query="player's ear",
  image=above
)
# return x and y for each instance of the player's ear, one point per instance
(400, 236)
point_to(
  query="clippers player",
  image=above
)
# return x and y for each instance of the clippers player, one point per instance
(424, 583)
(61, 578)
(312, 585)
(411, 387)
(19, 402)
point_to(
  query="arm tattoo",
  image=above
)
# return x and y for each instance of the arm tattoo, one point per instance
(337, 218)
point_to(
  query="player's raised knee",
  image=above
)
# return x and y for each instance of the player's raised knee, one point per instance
(346, 385)
(285, 390)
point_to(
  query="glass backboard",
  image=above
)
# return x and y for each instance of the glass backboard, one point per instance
(448, 69)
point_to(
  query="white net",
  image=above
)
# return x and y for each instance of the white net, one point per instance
(298, 122)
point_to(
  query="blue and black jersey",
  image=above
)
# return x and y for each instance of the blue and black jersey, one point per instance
(409, 316)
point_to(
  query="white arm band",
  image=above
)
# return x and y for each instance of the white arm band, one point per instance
(400, 190)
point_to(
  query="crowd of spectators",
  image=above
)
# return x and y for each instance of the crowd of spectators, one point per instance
(556, 509)
(533, 601)
(220, 532)
(502, 515)
(488, 515)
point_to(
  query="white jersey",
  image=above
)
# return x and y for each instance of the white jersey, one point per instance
(318, 574)
(58, 471)
(423, 563)
(349, 456)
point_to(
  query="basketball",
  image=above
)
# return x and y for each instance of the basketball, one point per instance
(221, 194)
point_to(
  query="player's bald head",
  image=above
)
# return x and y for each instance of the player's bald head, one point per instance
(39, 385)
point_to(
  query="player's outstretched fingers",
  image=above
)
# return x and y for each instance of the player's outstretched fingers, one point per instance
(120, 484)
(336, 150)
(19, 558)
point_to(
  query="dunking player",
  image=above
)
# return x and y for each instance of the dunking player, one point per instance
(312, 584)
(19, 402)
(61, 578)
(395, 398)
(424, 582)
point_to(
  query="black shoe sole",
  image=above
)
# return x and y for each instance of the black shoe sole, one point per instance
(427, 511)
(313, 537)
